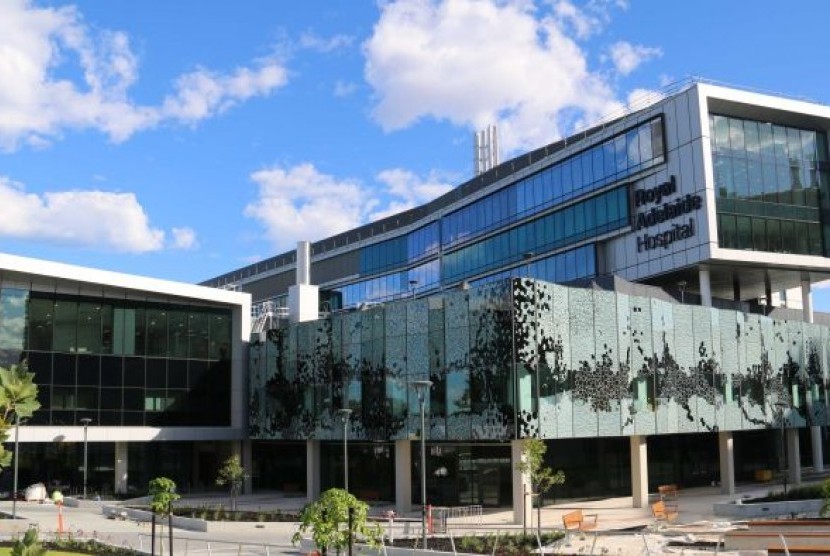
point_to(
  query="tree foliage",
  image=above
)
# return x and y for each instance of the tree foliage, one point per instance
(18, 400)
(163, 492)
(232, 475)
(825, 494)
(327, 518)
(542, 478)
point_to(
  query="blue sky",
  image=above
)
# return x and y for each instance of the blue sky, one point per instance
(183, 139)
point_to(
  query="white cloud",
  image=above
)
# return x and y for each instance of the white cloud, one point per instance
(98, 219)
(627, 57)
(40, 46)
(479, 62)
(183, 238)
(408, 190)
(302, 203)
(320, 44)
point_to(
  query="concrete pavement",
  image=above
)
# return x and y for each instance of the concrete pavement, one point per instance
(618, 522)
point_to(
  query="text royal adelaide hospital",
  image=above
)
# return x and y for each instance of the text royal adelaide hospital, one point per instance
(638, 295)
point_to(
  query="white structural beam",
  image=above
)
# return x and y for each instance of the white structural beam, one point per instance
(639, 471)
(705, 281)
(793, 457)
(312, 469)
(121, 466)
(521, 485)
(403, 476)
(726, 453)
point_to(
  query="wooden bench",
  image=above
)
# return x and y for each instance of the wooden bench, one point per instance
(662, 512)
(575, 521)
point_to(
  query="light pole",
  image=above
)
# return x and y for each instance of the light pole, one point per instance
(782, 458)
(344, 414)
(681, 285)
(527, 256)
(85, 422)
(14, 488)
(422, 387)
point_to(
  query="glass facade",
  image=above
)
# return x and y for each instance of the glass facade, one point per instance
(402, 266)
(400, 251)
(615, 159)
(772, 186)
(590, 218)
(120, 363)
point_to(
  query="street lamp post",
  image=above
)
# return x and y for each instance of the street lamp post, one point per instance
(681, 285)
(422, 387)
(85, 422)
(344, 414)
(527, 256)
(14, 488)
(783, 457)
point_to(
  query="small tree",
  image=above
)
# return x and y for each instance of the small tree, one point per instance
(328, 519)
(18, 400)
(542, 478)
(232, 475)
(163, 492)
(825, 493)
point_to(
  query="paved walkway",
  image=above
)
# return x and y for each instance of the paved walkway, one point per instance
(621, 527)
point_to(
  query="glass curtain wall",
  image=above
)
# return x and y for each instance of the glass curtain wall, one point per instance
(772, 186)
(121, 363)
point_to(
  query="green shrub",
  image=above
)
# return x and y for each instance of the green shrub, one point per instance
(28, 545)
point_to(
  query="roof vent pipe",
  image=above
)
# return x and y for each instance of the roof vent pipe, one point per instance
(303, 263)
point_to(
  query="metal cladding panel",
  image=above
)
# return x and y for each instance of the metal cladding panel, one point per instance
(611, 382)
(608, 364)
(587, 398)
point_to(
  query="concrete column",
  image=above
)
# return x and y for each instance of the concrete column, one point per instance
(815, 431)
(793, 457)
(818, 449)
(403, 477)
(705, 287)
(806, 301)
(521, 484)
(121, 461)
(726, 453)
(312, 470)
(639, 471)
(246, 455)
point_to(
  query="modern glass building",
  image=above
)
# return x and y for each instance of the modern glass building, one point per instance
(142, 360)
(638, 295)
(716, 196)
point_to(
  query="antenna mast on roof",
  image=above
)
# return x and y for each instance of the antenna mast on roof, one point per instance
(485, 149)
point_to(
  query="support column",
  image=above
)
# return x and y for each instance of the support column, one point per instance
(639, 471)
(246, 455)
(705, 287)
(793, 458)
(818, 449)
(726, 454)
(312, 470)
(403, 477)
(521, 484)
(815, 431)
(121, 466)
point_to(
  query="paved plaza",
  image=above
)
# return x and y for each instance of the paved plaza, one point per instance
(621, 529)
